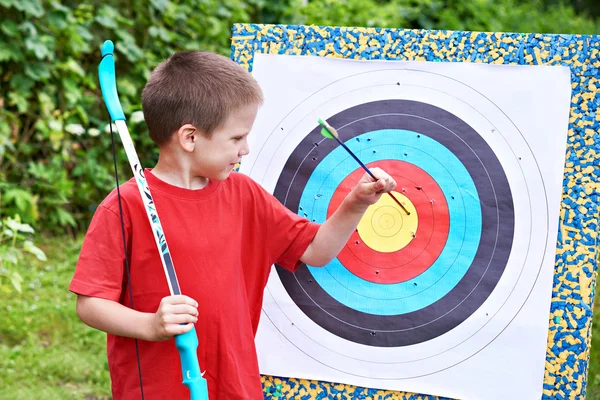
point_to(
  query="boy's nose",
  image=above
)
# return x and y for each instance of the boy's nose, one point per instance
(244, 150)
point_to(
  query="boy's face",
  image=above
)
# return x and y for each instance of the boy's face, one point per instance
(215, 157)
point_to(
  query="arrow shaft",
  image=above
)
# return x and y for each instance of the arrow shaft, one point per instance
(369, 172)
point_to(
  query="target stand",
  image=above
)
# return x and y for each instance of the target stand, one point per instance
(431, 301)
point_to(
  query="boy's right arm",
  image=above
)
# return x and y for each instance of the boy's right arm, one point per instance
(175, 315)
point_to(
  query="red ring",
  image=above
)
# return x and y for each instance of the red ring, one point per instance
(431, 235)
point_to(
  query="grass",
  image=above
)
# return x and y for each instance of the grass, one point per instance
(593, 388)
(46, 352)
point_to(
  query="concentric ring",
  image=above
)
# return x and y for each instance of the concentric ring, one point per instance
(286, 130)
(430, 237)
(379, 329)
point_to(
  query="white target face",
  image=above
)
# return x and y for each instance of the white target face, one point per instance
(481, 222)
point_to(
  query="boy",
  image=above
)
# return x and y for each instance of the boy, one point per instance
(224, 232)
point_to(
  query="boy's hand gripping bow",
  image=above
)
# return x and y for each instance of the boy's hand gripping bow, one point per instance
(186, 343)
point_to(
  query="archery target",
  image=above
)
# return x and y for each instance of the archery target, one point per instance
(421, 292)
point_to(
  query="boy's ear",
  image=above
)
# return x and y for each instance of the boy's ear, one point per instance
(187, 137)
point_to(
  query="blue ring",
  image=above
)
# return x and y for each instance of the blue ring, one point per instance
(463, 238)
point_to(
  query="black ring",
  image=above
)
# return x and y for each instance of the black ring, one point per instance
(497, 211)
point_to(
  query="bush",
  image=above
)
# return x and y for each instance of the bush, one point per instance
(55, 152)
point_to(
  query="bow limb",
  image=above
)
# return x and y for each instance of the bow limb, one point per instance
(186, 343)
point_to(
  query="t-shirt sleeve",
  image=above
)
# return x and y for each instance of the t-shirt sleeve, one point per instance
(289, 234)
(100, 266)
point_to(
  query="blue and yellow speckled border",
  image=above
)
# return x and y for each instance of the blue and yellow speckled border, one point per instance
(569, 334)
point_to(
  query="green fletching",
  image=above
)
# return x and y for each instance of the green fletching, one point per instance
(324, 131)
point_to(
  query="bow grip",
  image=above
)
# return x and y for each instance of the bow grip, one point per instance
(186, 344)
(108, 83)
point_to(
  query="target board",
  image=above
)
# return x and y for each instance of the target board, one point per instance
(414, 301)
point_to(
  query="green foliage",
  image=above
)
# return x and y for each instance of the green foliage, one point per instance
(15, 243)
(55, 150)
(472, 15)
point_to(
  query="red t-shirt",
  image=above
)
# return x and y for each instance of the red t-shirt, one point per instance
(223, 240)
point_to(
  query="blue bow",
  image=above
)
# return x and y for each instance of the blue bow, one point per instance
(186, 343)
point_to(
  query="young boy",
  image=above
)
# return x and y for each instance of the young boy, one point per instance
(223, 229)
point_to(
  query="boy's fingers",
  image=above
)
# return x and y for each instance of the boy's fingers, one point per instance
(178, 319)
(388, 182)
(377, 186)
(180, 299)
(186, 328)
(178, 329)
(183, 309)
(391, 185)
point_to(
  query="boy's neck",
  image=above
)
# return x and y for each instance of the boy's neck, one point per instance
(174, 172)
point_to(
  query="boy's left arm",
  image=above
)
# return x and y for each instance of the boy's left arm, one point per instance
(335, 232)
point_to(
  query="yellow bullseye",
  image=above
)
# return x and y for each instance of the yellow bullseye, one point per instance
(385, 227)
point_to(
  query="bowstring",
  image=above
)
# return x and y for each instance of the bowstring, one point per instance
(137, 350)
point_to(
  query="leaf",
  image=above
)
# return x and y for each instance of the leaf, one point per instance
(10, 28)
(65, 218)
(9, 51)
(81, 111)
(18, 100)
(160, 5)
(38, 170)
(38, 71)
(16, 280)
(56, 137)
(17, 226)
(74, 66)
(160, 33)
(21, 83)
(29, 247)
(28, 28)
(31, 7)
(72, 91)
(11, 257)
(24, 202)
(46, 103)
(129, 47)
(107, 17)
(57, 20)
(38, 47)
(59, 7)
(25, 228)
